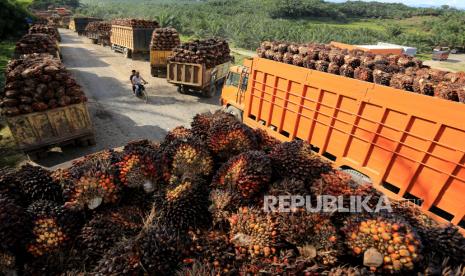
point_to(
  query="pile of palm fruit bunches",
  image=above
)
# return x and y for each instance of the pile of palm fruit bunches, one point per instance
(135, 23)
(210, 52)
(45, 29)
(36, 43)
(193, 205)
(397, 71)
(101, 28)
(165, 39)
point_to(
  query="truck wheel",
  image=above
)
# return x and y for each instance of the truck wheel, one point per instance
(127, 53)
(235, 112)
(357, 176)
(209, 91)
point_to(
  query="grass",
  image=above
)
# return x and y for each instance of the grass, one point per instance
(9, 155)
(6, 52)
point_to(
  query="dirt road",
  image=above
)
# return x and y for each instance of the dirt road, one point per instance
(118, 116)
(455, 63)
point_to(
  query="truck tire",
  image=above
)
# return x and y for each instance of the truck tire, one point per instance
(127, 53)
(357, 176)
(235, 112)
(154, 71)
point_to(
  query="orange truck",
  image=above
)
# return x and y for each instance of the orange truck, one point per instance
(409, 145)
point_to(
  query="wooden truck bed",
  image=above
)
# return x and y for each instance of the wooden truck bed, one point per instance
(51, 127)
(412, 146)
(136, 39)
(194, 75)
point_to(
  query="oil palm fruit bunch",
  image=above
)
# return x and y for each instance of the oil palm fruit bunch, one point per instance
(265, 142)
(283, 264)
(36, 183)
(140, 147)
(124, 258)
(227, 139)
(402, 81)
(322, 65)
(160, 251)
(10, 186)
(254, 233)
(363, 73)
(108, 228)
(7, 263)
(52, 227)
(349, 271)
(446, 242)
(347, 71)
(132, 172)
(196, 269)
(200, 125)
(189, 159)
(288, 186)
(326, 241)
(393, 244)
(224, 203)
(248, 173)
(93, 181)
(296, 160)
(213, 249)
(14, 223)
(333, 68)
(177, 133)
(183, 205)
(381, 77)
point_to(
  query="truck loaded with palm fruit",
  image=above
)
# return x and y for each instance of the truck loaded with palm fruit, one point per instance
(200, 66)
(386, 118)
(132, 37)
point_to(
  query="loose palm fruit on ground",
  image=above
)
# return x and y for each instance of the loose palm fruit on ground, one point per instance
(265, 142)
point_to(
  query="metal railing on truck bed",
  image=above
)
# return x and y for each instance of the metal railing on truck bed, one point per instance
(412, 146)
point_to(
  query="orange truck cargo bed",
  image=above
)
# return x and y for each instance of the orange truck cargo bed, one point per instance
(412, 146)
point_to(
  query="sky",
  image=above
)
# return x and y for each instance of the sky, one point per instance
(454, 3)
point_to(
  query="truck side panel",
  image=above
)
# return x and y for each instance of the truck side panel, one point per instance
(412, 146)
(186, 74)
(39, 129)
(136, 39)
(159, 58)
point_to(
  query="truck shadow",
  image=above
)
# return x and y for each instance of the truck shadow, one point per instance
(108, 134)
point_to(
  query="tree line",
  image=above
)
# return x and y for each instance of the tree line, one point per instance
(247, 23)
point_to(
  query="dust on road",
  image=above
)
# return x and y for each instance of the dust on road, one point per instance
(118, 116)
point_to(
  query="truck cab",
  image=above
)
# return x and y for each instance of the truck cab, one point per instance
(233, 92)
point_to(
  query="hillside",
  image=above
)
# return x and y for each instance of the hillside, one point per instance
(246, 23)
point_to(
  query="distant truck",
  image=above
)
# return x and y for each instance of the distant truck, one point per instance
(197, 77)
(158, 62)
(131, 41)
(79, 24)
(441, 53)
(35, 132)
(410, 146)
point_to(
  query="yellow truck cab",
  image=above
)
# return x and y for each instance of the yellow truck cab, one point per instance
(232, 95)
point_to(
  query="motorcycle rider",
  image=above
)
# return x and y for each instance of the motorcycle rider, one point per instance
(138, 83)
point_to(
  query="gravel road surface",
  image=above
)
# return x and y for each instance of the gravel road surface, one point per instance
(118, 116)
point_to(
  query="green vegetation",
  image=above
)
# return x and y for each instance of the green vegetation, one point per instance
(12, 19)
(247, 23)
(6, 52)
(44, 4)
(9, 155)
